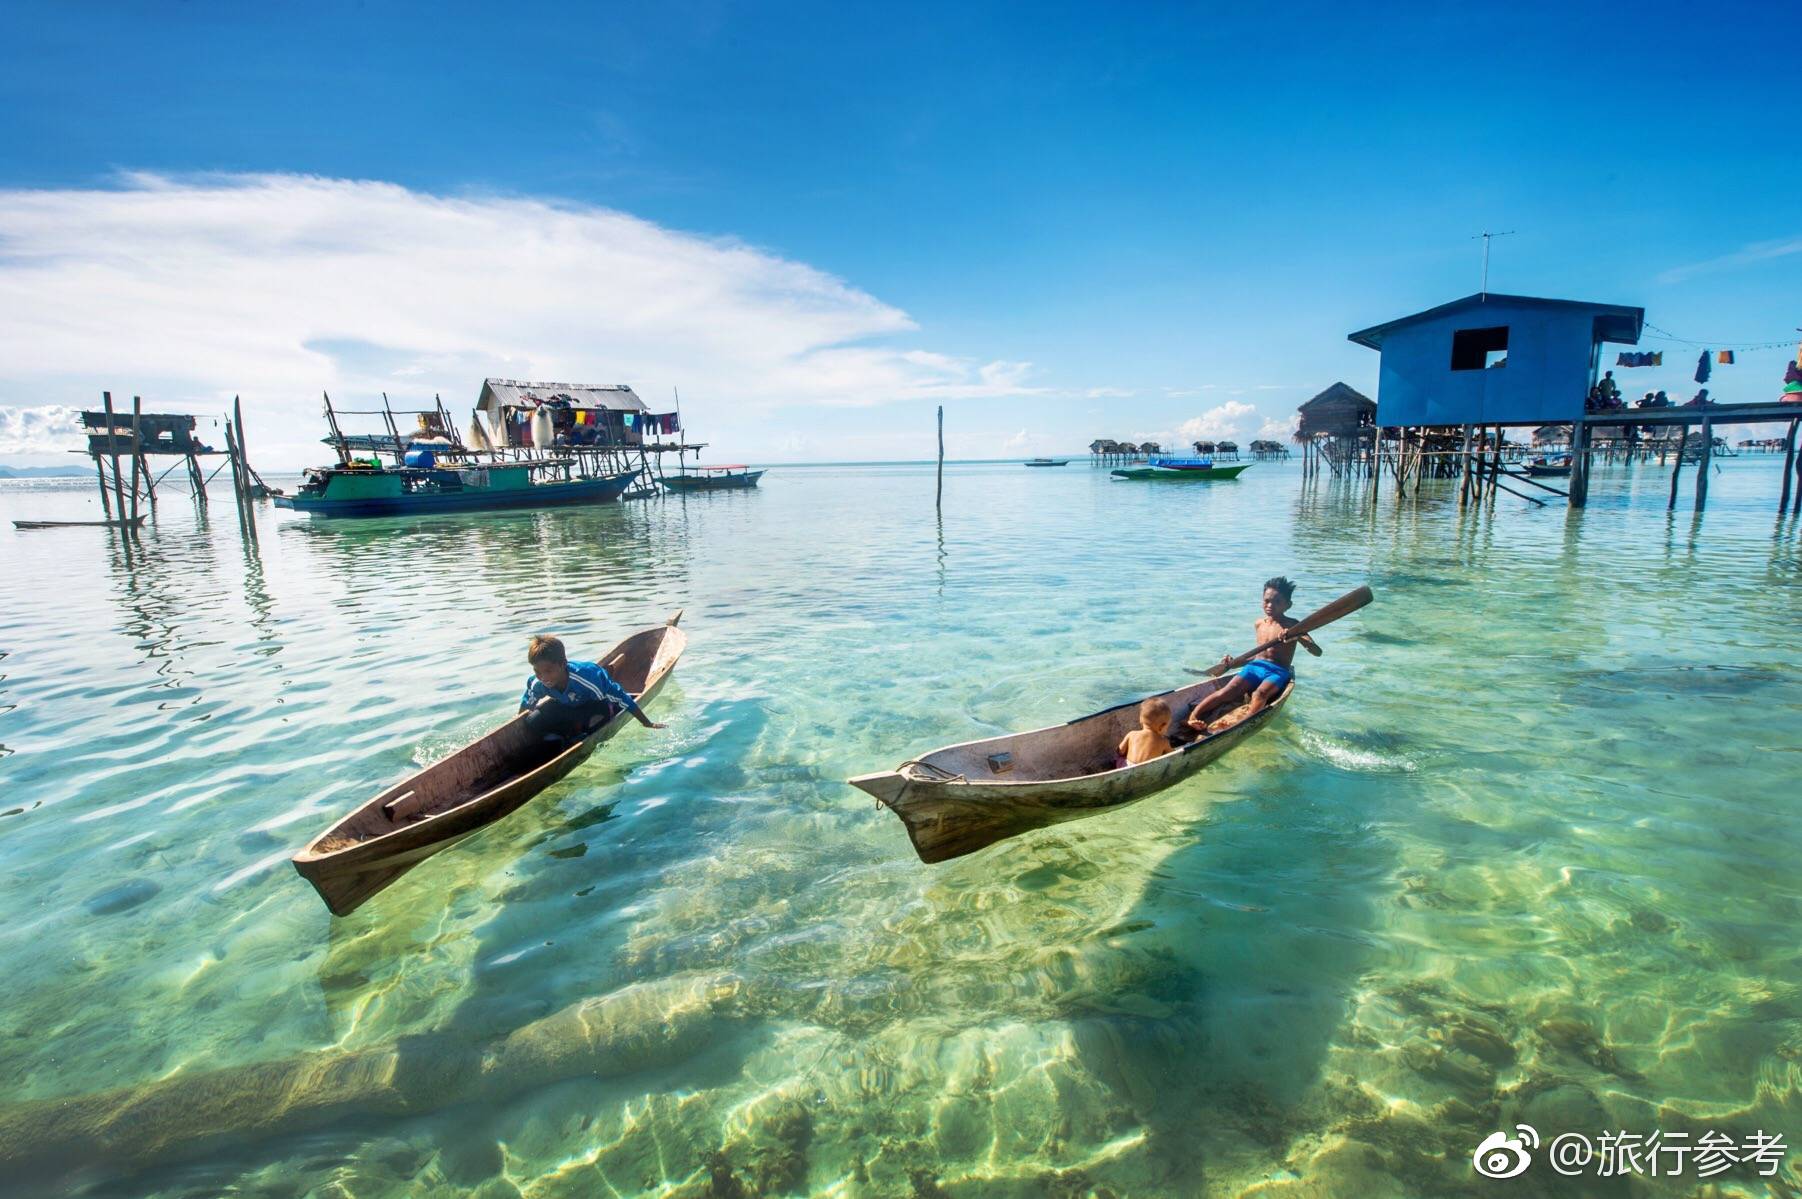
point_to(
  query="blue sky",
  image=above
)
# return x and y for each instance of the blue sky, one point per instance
(1062, 222)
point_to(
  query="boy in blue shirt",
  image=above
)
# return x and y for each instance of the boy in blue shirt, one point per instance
(568, 699)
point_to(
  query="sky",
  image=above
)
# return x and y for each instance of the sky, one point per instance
(818, 222)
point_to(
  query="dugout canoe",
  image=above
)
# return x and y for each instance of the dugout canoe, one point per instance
(962, 798)
(487, 779)
(130, 522)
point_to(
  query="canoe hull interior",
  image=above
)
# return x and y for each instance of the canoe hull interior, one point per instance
(486, 780)
(471, 499)
(1058, 774)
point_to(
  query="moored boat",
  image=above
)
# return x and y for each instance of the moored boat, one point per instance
(459, 487)
(713, 478)
(489, 778)
(1048, 462)
(1183, 472)
(130, 522)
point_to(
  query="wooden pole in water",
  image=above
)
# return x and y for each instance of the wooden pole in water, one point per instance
(1702, 466)
(1677, 468)
(112, 447)
(243, 449)
(137, 406)
(1464, 469)
(106, 503)
(1789, 464)
(939, 498)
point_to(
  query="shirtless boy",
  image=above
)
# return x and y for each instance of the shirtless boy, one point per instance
(1264, 677)
(1148, 741)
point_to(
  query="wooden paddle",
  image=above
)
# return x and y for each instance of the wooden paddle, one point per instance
(1350, 602)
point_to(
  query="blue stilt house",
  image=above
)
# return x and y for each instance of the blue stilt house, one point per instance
(1494, 360)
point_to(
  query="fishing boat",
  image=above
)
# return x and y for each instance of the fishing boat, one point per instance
(130, 522)
(1048, 462)
(1183, 471)
(477, 785)
(961, 798)
(713, 478)
(1548, 467)
(375, 489)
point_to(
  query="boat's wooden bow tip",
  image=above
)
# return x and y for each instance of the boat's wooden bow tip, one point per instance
(676, 619)
(885, 785)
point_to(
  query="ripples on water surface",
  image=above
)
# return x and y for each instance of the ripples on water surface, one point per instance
(1519, 851)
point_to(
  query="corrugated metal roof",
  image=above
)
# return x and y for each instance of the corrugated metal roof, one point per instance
(511, 393)
(1614, 322)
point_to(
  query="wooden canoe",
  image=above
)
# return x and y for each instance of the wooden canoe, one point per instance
(472, 788)
(961, 798)
(129, 522)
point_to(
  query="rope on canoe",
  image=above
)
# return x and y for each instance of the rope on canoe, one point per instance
(938, 773)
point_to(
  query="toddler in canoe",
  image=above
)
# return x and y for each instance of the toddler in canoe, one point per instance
(1148, 740)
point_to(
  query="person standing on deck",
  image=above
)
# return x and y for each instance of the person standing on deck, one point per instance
(567, 699)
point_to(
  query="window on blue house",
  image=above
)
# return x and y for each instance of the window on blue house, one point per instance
(1479, 349)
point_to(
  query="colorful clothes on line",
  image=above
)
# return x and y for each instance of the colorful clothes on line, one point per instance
(1656, 358)
(1725, 358)
(1702, 367)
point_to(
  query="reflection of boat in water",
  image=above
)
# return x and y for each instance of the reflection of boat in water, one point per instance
(1048, 462)
(713, 478)
(1183, 470)
(479, 784)
(958, 799)
(471, 487)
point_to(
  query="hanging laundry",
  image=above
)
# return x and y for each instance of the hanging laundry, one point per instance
(1702, 367)
(1725, 358)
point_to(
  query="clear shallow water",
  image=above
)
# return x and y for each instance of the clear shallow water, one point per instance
(1524, 847)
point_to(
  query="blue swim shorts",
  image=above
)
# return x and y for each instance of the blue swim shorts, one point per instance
(1263, 670)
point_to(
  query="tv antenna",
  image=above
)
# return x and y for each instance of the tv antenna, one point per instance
(1486, 235)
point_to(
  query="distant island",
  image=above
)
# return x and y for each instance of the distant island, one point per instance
(41, 472)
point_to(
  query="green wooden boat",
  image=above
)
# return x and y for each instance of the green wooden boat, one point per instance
(1184, 474)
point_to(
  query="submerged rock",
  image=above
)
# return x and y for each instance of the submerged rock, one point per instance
(121, 898)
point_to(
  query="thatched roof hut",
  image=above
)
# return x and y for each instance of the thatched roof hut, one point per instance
(1339, 411)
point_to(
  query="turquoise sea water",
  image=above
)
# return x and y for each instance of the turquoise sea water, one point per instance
(1523, 849)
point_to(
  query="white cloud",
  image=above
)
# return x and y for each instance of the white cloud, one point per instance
(276, 287)
(1279, 428)
(41, 430)
(1762, 251)
(1107, 393)
(1222, 420)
